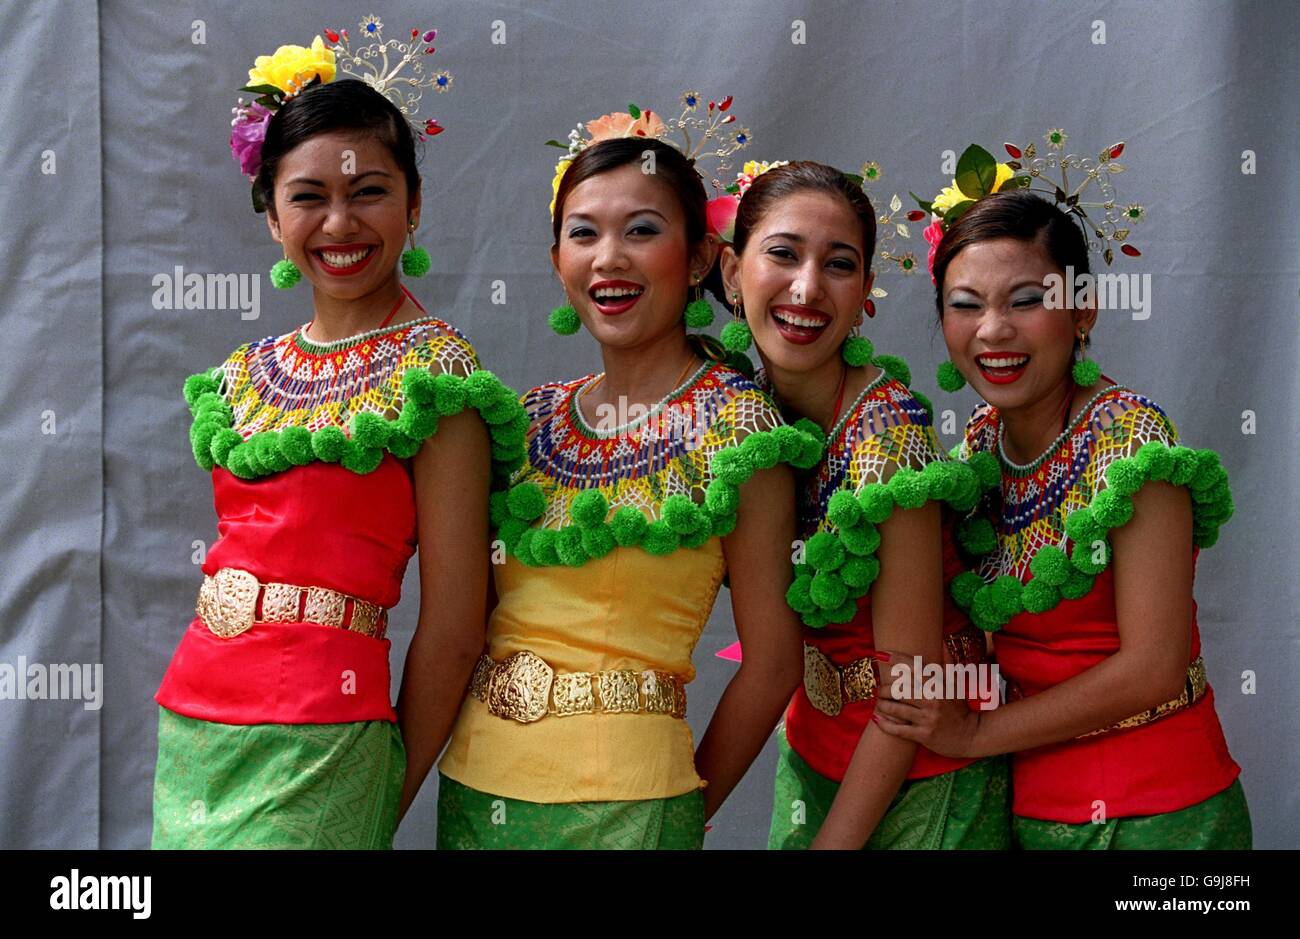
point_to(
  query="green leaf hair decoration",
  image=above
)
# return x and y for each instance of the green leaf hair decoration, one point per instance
(426, 396)
(1054, 574)
(591, 531)
(841, 563)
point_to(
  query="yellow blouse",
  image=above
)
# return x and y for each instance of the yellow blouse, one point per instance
(614, 595)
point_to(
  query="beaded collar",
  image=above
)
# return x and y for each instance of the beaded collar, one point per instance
(904, 433)
(570, 453)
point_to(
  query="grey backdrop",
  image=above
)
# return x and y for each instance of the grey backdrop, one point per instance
(102, 502)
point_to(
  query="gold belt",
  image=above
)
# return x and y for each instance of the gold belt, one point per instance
(525, 688)
(830, 686)
(1193, 691)
(230, 601)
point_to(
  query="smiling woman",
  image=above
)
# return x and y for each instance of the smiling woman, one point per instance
(334, 449)
(618, 536)
(1083, 555)
(876, 515)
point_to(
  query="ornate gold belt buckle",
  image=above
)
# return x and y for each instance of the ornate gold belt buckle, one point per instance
(228, 602)
(520, 687)
(821, 681)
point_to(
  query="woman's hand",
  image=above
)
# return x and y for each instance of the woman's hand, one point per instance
(946, 726)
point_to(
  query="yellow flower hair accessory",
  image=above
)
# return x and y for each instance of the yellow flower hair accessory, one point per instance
(395, 68)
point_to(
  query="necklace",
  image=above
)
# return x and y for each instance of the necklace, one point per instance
(678, 386)
(406, 295)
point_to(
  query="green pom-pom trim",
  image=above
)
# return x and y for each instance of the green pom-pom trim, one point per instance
(425, 397)
(828, 590)
(976, 536)
(857, 350)
(544, 548)
(877, 502)
(1039, 596)
(736, 336)
(1110, 509)
(564, 320)
(722, 498)
(859, 573)
(1051, 566)
(589, 508)
(526, 501)
(1125, 476)
(1086, 372)
(799, 595)
(824, 552)
(683, 522)
(568, 547)
(862, 539)
(598, 542)
(843, 510)
(895, 368)
(629, 526)
(1056, 576)
(964, 587)
(1082, 556)
(910, 489)
(949, 378)
(699, 315)
(295, 444)
(197, 385)
(986, 469)
(416, 262)
(284, 274)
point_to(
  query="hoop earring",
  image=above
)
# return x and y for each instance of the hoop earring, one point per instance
(284, 273)
(1085, 371)
(736, 335)
(415, 261)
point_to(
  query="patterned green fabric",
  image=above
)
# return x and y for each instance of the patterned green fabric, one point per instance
(1220, 823)
(968, 808)
(469, 819)
(276, 785)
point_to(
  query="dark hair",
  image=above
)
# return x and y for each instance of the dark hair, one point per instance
(347, 104)
(670, 168)
(1014, 214)
(798, 176)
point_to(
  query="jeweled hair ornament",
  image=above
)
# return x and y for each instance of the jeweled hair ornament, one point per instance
(395, 68)
(700, 133)
(979, 175)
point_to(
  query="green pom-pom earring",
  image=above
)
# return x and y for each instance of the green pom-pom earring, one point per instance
(949, 378)
(415, 261)
(1085, 371)
(564, 320)
(699, 315)
(736, 335)
(284, 274)
(857, 350)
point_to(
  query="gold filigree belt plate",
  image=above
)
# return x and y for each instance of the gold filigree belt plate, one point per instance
(523, 687)
(229, 600)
